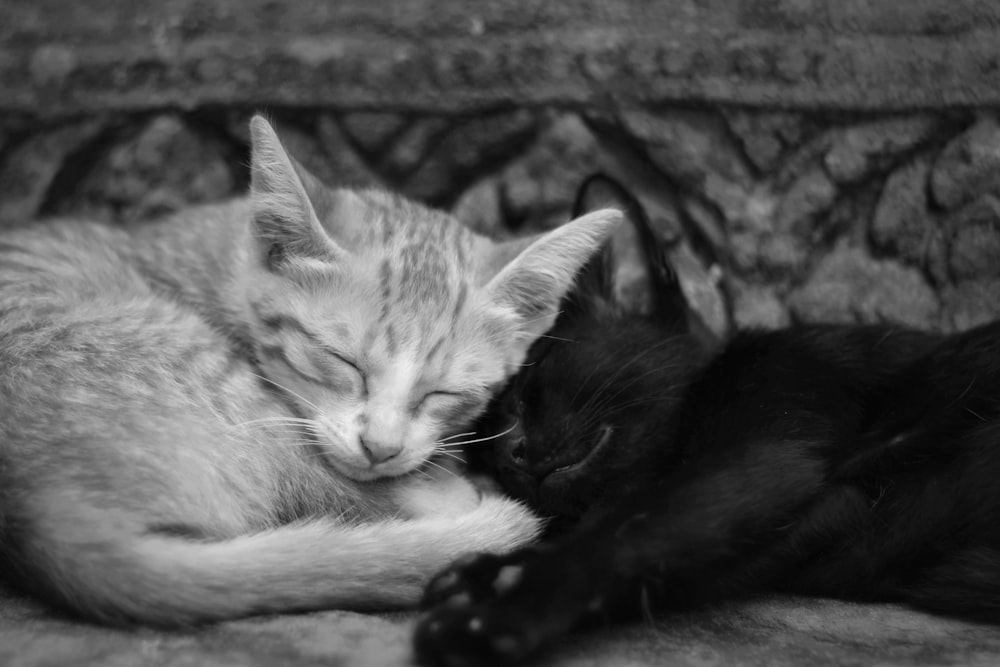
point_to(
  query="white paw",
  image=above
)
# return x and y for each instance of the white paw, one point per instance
(443, 495)
(500, 525)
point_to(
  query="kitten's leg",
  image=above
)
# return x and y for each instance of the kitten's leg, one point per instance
(121, 573)
(441, 490)
(691, 527)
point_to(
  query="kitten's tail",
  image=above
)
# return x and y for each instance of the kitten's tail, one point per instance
(161, 580)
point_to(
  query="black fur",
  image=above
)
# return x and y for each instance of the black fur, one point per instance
(860, 462)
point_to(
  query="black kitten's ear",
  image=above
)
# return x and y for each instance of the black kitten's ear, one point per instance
(632, 273)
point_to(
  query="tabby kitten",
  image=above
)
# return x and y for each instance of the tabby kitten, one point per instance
(859, 462)
(234, 410)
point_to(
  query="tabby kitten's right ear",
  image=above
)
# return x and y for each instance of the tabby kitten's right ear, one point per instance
(285, 222)
(632, 274)
(535, 281)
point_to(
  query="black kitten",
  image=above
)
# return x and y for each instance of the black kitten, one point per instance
(860, 462)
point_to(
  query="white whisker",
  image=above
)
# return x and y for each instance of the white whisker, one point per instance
(457, 435)
(540, 318)
(565, 340)
(276, 421)
(490, 437)
(441, 467)
(284, 388)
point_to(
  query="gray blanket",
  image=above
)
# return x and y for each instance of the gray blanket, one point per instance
(771, 632)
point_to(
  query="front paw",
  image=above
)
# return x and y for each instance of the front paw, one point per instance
(472, 579)
(471, 637)
(468, 624)
(443, 495)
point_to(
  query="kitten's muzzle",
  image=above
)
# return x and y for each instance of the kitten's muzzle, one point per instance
(379, 452)
(556, 485)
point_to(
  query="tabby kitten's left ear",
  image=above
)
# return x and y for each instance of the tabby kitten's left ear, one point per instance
(536, 280)
(284, 217)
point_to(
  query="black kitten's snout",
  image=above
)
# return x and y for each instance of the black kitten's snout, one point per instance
(519, 450)
(513, 449)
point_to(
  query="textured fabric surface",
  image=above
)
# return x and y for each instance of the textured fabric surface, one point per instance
(772, 632)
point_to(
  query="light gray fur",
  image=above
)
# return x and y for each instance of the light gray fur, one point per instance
(148, 474)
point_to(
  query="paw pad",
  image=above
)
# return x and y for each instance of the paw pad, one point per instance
(508, 645)
(458, 600)
(507, 577)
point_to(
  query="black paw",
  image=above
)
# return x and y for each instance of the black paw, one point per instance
(472, 579)
(485, 635)
(471, 619)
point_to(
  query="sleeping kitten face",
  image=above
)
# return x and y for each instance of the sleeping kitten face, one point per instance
(388, 325)
(596, 398)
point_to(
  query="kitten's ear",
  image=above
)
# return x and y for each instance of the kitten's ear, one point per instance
(284, 217)
(632, 273)
(535, 281)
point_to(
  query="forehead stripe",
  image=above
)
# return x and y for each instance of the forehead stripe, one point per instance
(391, 344)
(463, 293)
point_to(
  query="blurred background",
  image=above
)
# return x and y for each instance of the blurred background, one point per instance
(834, 160)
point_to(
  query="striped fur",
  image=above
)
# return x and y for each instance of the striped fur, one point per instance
(232, 411)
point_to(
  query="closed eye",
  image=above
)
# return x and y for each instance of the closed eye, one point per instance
(441, 393)
(432, 397)
(324, 366)
(345, 360)
(449, 405)
(335, 364)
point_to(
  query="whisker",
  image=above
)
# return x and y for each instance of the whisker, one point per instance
(621, 369)
(278, 433)
(293, 393)
(539, 318)
(490, 437)
(599, 398)
(275, 429)
(441, 467)
(975, 414)
(275, 421)
(596, 404)
(615, 409)
(289, 430)
(457, 435)
(635, 380)
(565, 340)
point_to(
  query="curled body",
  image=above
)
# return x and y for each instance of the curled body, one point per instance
(238, 409)
(858, 462)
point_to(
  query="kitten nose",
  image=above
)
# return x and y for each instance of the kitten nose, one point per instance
(380, 452)
(518, 451)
